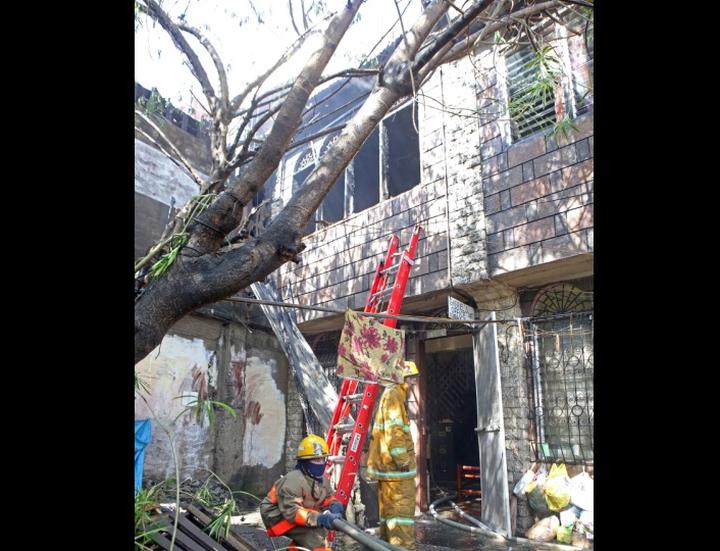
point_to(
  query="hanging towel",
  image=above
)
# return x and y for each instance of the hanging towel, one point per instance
(370, 351)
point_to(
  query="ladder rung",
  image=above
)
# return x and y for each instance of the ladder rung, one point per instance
(390, 269)
(344, 427)
(394, 267)
(353, 397)
(382, 293)
(336, 458)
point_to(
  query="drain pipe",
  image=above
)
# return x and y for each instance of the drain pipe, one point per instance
(480, 528)
(367, 540)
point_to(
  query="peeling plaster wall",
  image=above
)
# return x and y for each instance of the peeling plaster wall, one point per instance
(254, 379)
(181, 365)
(264, 414)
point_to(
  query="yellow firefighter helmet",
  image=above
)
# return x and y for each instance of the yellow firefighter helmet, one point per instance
(312, 446)
(410, 369)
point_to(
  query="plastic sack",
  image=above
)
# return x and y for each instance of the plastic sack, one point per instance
(535, 491)
(528, 477)
(564, 534)
(544, 530)
(569, 516)
(557, 488)
(581, 491)
(586, 520)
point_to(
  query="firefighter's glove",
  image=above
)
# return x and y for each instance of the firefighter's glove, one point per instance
(326, 519)
(404, 468)
(337, 508)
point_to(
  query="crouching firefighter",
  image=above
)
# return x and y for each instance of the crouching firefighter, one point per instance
(301, 505)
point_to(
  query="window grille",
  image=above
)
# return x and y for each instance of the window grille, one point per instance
(528, 113)
(561, 364)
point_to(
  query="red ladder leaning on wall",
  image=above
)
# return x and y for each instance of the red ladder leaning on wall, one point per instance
(379, 290)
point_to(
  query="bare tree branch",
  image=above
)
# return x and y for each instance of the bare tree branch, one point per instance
(304, 14)
(195, 176)
(451, 32)
(223, 215)
(194, 281)
(498, 8)
(292, 18)
(314, 137)
(155, 11)
(219, 66)
(463, 47)
(237, 100)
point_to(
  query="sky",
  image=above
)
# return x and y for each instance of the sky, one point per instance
(246, 47)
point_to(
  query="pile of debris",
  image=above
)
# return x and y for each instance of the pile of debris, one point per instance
(563, 506)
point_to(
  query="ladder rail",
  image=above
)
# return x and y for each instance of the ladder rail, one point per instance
(349, 386)
(370, 391)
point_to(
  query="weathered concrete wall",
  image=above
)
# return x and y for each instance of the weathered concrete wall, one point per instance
(254, 379)
(161, 188)
(451, 155)
(158, 177)
(183, 364)
(195, 150)
(226, 362)
(538, 196)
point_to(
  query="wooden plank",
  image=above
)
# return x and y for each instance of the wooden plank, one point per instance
(317, 396)
(234, 542)
(491, 431)
(161, 540)
(181, 539)
(194, 531)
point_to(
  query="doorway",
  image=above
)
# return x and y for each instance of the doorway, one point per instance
(451, 415)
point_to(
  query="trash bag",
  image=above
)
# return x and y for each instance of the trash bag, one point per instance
(528, 477)
(557, 488)
(544, 529)
(564, 534)
(586, 521)
(569, 516)
(535, 491)
(581, 491)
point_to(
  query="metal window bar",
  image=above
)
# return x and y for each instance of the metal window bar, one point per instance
(520, 76)
(561, 364)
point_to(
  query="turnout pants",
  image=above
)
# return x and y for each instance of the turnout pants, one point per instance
(397, 512)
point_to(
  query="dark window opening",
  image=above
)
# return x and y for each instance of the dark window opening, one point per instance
(404, 152)
(367, 174)
(332, 207)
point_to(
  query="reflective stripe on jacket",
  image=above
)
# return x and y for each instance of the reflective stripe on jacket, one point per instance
(392, 452)
(294, 500)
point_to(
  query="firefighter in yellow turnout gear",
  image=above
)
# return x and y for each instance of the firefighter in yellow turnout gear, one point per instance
(301, 505)
(391, 461)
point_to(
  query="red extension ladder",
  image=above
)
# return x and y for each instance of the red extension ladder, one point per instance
(379, 291)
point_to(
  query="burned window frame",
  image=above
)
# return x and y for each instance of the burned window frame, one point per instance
(316, 149)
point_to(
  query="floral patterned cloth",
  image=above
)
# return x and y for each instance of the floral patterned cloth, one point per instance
(370, 351)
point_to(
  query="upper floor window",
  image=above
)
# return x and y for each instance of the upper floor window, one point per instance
(387, 165)
(550, 80)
